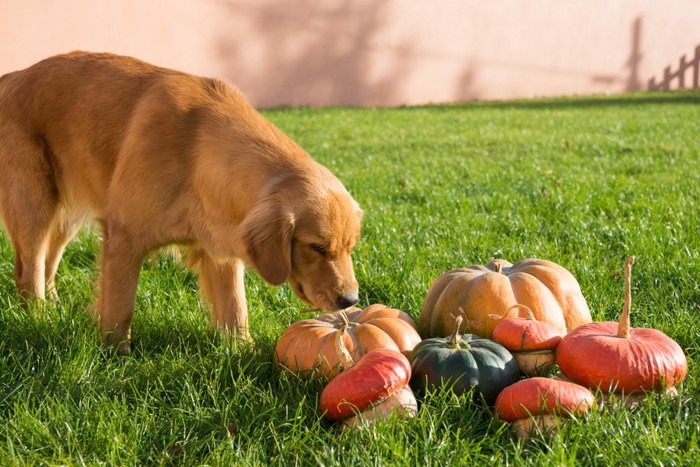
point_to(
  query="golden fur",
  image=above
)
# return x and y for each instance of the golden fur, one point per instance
(162, 157)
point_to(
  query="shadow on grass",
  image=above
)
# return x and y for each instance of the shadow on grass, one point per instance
(691, 97)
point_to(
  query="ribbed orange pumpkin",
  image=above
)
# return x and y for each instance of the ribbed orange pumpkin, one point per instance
(308, 347)
(549, 290)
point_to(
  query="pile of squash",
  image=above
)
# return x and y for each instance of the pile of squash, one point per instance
(475, 341)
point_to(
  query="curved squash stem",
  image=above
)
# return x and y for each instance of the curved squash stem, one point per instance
(454, 339)
(530, 314)
(623, 328)
(342, 352)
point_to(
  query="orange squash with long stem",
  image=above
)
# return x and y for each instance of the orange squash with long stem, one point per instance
(618, 358)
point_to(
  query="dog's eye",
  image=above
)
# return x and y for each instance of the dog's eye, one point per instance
(321, 250)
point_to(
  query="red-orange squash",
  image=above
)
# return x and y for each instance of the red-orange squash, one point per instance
(616, 358)
(374, 387)
(537, 404)
(542, 396)
(532, 343)
(307, 346)
(549, 290)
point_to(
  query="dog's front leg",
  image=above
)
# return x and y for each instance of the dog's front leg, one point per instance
(119, 276)
(222, 285)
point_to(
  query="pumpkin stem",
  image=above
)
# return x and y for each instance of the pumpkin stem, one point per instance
(530, 315)
(346, 322)
(623, 328)
(342, 352)
(498, 266)
(454, 339)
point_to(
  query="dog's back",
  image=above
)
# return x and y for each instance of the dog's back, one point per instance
(83, 111)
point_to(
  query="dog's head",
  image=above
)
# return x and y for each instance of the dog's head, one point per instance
(304, 234)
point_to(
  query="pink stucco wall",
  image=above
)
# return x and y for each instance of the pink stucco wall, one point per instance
(373, 52)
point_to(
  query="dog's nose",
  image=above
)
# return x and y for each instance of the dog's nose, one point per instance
(345, 301)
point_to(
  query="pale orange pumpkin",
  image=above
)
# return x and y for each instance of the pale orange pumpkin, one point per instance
(548, 289)
(308, 346)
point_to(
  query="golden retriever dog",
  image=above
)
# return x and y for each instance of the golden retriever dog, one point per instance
(162, 157)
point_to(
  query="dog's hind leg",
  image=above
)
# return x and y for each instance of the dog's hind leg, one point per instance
(28, 203)
(64, 228)
(221, 284)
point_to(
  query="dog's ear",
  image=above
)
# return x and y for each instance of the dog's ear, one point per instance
(267, 233)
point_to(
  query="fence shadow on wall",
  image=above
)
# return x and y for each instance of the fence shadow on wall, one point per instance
(677, 79)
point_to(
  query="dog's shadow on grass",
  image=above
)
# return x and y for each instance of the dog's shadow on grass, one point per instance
(65, 329)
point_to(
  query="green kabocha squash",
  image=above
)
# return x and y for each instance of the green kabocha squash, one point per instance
(463, 363)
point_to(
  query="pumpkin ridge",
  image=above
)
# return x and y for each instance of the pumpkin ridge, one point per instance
(555, 277)
(377, 336)
(435, 291)
(401, 337)
(282, 346)
(433, 359)
(297, 344)
(376, 312)
(439, 325)
(327, 345)
(356, 350)
(526, 287)
(417, 359)
(483, 289)
(467, 358)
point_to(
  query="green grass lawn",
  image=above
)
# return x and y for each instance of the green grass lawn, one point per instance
(582, 182)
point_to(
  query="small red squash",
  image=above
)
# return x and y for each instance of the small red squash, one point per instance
(374, 387)
(616, 358)
(307, 346)
(532, 343)
(537, 404)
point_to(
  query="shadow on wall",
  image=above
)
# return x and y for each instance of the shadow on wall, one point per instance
(336, 53)
(670, 80)
(315, 54)
(679, 76)
(630, 79)
(320, 53)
